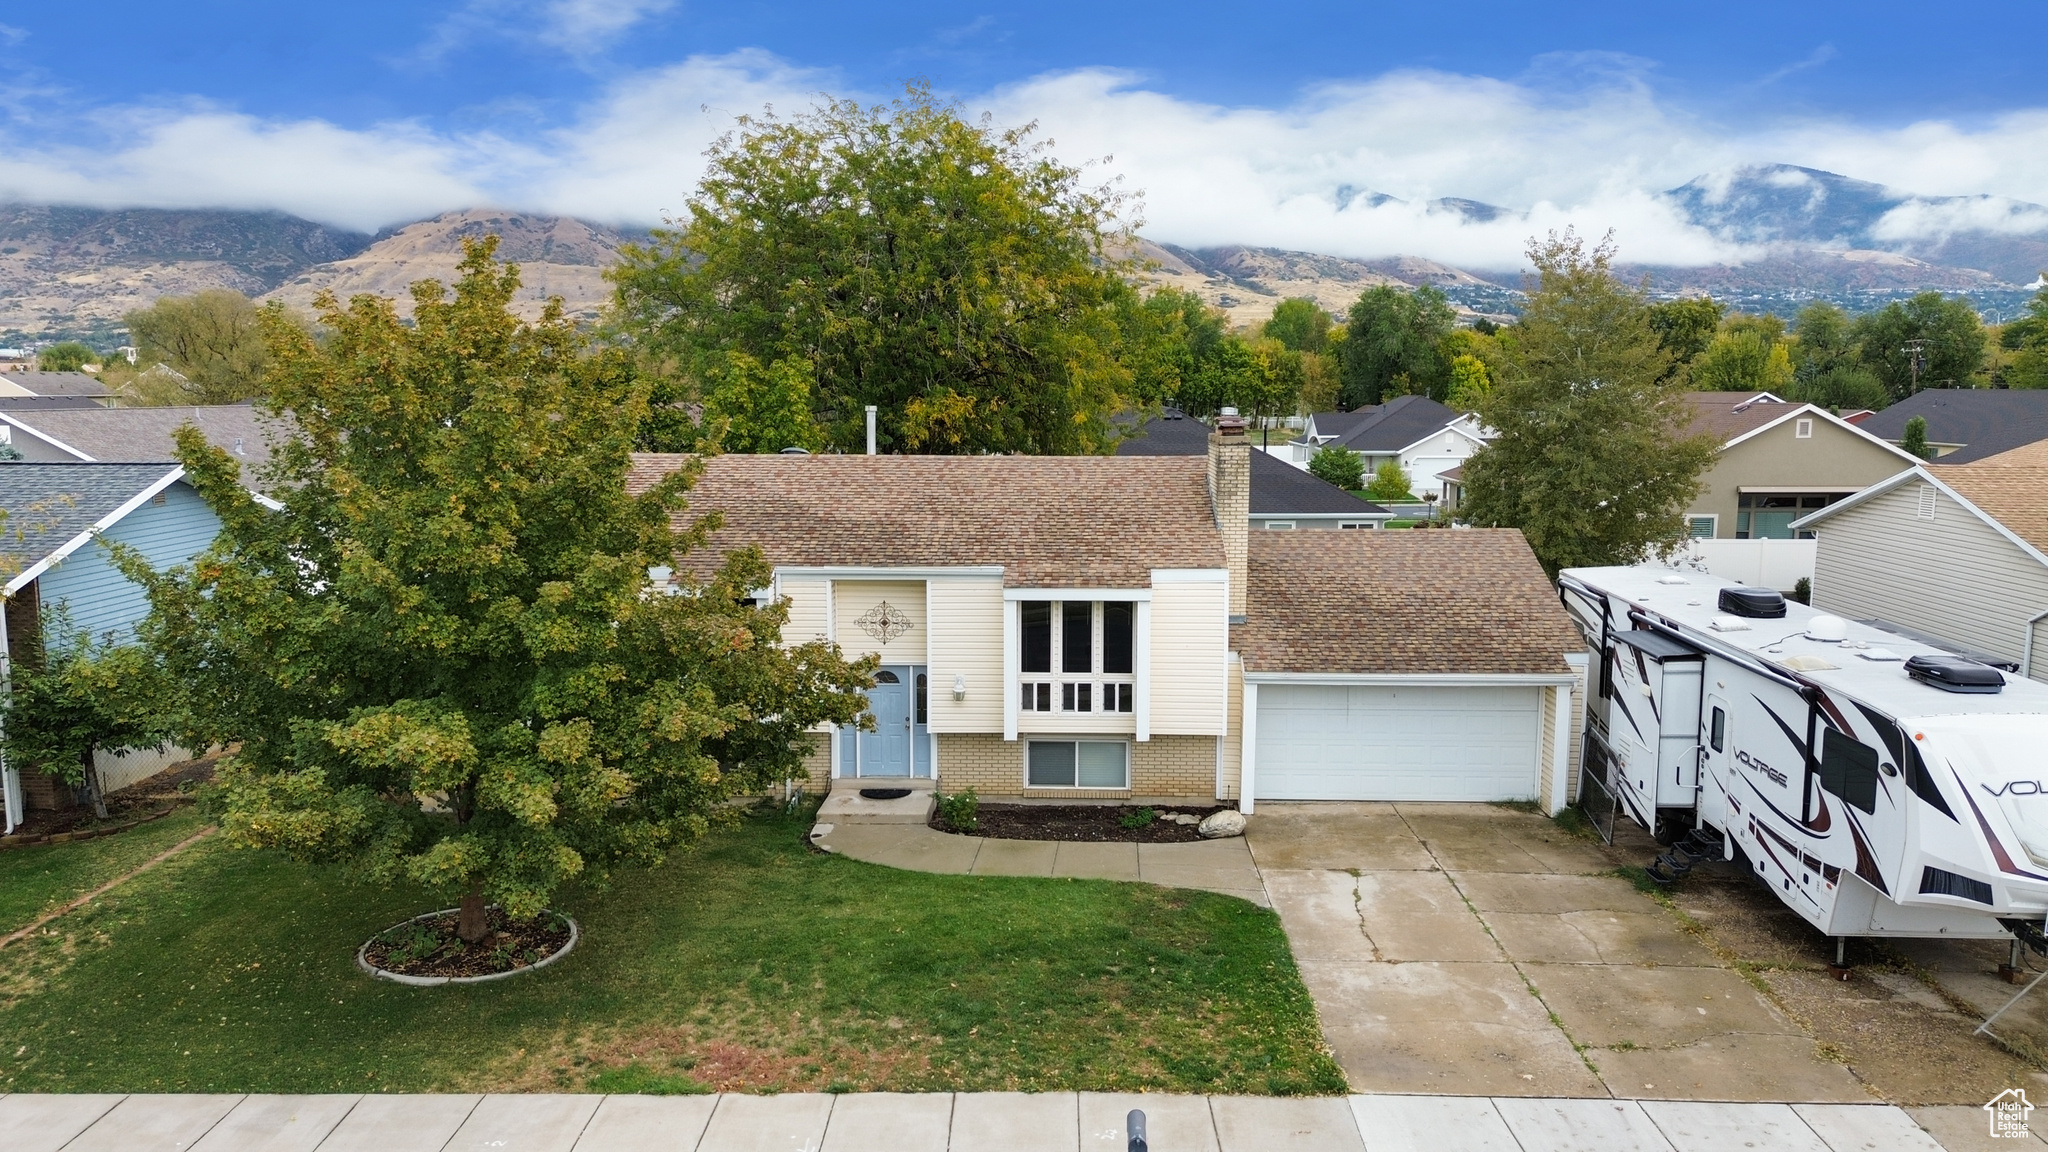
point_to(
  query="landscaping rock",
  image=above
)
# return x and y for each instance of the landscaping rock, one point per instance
(1221, 824)
(1184, 818)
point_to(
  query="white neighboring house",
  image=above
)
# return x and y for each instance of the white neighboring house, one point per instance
(1424, 437)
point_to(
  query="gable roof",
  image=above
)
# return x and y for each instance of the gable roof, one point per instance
(1985, 421)
(132, 434)
(1278, 488)
(1390, 427)
(1422, 601)
(1732, 417)
(2008, 492)
(53, 509)
(59, 383)
(1049, 521)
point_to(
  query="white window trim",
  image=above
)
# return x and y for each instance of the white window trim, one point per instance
(1062, 682)
(1280, 525)
(1036, 738)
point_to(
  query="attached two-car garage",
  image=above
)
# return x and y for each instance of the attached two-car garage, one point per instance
(1397, 742)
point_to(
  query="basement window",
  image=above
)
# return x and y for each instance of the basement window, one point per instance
(1077, 764)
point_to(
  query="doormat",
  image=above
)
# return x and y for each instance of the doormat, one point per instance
(884, 793)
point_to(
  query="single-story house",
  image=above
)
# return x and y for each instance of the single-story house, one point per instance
(1110, 629)
(1283, 497)
(57, 435)
(1424, 437)
(1968, 424)
(60, 520)
(1956, 554)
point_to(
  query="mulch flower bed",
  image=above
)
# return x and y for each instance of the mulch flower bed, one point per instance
(430, 947)
(1092, 823)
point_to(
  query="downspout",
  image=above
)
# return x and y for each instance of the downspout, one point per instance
(10, 778)
(2026, 644)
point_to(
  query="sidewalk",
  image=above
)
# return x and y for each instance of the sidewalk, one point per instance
(1214, 865)
(967, 1122)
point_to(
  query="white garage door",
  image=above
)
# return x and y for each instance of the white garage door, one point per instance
(1353, 743)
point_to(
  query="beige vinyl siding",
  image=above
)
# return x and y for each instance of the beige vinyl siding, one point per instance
(966, 639)
(1230, 750)
(2039, 664)
(1546, 739)
(1833, 457)
(851, 599)
(1953, 576)
(1189, 644)
(807, 599)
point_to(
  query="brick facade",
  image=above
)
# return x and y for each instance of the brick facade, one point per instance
(1173, 769)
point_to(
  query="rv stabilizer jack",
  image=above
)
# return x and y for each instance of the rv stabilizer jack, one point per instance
(1702, 843)
(2027, 932)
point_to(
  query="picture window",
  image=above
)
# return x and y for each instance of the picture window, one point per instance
(1077, 764)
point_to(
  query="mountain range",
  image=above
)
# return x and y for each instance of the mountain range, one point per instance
(73, 271)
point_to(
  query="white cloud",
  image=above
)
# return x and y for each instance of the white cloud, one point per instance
(581, 28)
(1590, 146)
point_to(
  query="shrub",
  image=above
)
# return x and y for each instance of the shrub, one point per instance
(1137, 817)
(1802, 590)
(959, 811)
(1339, 466)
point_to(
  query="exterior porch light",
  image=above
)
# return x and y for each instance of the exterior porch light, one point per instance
(959, 686)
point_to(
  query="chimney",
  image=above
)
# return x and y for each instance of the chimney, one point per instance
(1230, 499)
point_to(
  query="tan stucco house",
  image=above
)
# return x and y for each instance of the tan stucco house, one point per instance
(1955, 554)
(1779, 461)
(1111, 629)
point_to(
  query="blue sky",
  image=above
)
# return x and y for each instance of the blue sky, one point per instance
(1238, 123)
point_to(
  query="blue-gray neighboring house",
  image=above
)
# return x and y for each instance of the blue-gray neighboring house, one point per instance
(54, 545)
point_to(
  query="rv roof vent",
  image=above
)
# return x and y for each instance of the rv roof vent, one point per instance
(1827, 629)
(1674, 578)
(1954, 674)
(1758, 603)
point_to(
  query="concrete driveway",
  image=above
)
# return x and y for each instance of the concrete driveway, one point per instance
(1475, 950)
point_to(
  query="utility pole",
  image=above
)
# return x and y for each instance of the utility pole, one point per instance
(1916, 351)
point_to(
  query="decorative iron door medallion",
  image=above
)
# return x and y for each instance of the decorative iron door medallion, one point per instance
(884, 622)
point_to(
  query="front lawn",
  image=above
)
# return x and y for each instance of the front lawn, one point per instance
(44, 877)
(749, 964)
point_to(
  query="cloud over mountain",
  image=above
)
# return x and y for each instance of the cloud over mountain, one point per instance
(1363, 168)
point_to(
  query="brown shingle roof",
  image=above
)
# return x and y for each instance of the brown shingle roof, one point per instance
(1050, 521)
(1417, 601)
(2011, 487)
(1724, 415)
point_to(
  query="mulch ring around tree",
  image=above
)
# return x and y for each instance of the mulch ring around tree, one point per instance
(1091, 823)
(428, 947)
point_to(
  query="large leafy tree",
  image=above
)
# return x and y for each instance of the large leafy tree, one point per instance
(1391, 345)
(1258, 377)
(71, 695)
(1948, 333)
(443, 657)
(1301, 325)
(1591, 459)
(2027, 339)
(1825, 369)
(951, 273)
(1686, 326)
(210, 345)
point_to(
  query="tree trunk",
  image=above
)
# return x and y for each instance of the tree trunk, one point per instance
(471, 925)
(92, 786)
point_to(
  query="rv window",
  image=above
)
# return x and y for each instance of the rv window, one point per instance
(1719, 731)
(1848, 768)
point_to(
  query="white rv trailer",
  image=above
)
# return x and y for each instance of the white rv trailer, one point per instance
(1870, 802)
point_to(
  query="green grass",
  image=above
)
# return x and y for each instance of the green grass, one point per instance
(48, 876)
(750, 963)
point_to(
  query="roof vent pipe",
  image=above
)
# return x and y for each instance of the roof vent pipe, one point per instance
(871, 429)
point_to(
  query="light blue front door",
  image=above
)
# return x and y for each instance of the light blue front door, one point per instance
(886, 750)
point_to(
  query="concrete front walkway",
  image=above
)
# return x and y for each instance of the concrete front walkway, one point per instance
(1467, 948)
(966, 1122)
(1215, 865)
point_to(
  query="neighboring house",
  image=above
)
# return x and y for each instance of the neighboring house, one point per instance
(1283, 497)
(1966, 424)
(109, 434)
(1955, 553)
(60, 520)
(1778, 461)
(79, 384)
(1109, 628)
(1424, 437)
